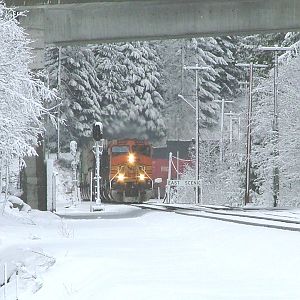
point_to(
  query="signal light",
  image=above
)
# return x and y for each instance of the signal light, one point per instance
(131, 158)
(97, 131)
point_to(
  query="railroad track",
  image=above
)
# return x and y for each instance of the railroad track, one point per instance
(226, 215)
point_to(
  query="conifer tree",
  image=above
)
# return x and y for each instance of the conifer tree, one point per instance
(173, 80)
(143, 91)
(130, 89)
(288, 145)
(79, 91)
(220, 80)
(228, 73)
(111, 73)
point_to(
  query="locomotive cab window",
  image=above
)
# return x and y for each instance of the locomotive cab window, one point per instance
(116, 150)
(142, 149)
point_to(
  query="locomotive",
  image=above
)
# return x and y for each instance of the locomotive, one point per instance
(130, 170)
(125, 170)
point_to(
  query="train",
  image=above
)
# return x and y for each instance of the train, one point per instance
(130, 170)
(126, 171)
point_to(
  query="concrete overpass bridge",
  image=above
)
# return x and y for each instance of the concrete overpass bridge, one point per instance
(64, 22)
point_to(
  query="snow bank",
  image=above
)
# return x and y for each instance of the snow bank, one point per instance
(14, 202)
(64, 180)
(29, 263)
(19, 232)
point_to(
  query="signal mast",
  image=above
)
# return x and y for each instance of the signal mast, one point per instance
(98, 137)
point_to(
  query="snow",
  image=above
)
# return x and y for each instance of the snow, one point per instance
(129, 253)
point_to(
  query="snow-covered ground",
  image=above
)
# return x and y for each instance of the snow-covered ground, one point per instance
(129, 253)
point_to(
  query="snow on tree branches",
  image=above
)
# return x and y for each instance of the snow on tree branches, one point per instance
(129, 75)
(21, 94)
(288, 160)
(117, 84)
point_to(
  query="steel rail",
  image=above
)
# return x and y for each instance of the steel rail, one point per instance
(189, 212)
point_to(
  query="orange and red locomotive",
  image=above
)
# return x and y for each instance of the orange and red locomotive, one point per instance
(130, 170)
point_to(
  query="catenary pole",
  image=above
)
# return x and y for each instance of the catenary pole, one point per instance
(275, 126)
(251, 67)
(196, 68)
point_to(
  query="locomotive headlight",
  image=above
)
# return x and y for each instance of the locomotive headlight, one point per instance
(131, 158)
(121, 177)
(142, 177)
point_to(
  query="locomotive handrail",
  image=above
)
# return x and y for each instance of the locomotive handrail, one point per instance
(113, 179)
(148, 176)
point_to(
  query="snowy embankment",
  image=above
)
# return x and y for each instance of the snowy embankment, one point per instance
(129, 253)
(19, 228)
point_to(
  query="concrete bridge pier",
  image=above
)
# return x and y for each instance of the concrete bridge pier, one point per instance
(34, 181)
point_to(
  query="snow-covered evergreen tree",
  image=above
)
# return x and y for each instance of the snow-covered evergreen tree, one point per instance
(248, 50)
(79, 90)
(228, 73)
(206, 53)
(115, 83)
(264, 146)
(111, 74)
(219, 81)
(130, 89)
(173, 80)
(143, 91)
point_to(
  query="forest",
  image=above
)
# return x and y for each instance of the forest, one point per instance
(133, 89)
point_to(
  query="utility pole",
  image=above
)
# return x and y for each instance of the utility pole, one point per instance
(58, 111)
(196, 68)
(251, 67)
(223, 101)
(275, 125)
